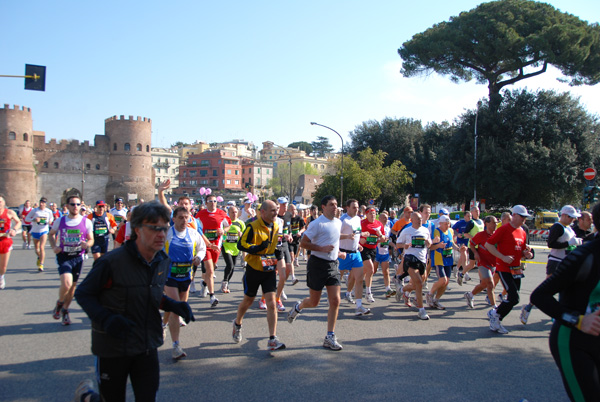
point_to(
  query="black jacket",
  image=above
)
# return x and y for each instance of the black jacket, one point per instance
(122, 282)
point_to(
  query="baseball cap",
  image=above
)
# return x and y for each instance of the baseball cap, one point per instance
(100, 203)
(570, 211)
(282, 200)
(119, 200)
(247, 202)
(520, 210)
(444, 211)
(443, 218)
(231, 203)
(43, 199)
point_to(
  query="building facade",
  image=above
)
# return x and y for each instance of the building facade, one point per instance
(218, 170)
(166, 166)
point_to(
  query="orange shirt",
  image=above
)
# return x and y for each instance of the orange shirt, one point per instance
(400, 223)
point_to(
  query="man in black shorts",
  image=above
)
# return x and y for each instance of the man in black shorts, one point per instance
(322, 238)
(259, 241)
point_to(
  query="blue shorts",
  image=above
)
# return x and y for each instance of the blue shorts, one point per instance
(352, 260)
(69, 265)
(444, 271)
(100, 245)
(382, 258)
(39, 235)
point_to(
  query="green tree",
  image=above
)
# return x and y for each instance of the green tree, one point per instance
(303, 146)
(281, 180)
(179, 144)
(321, 146)
(503, 42)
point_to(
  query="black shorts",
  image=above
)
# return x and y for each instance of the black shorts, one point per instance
(551, 266)
(284, 249)
(294, 246)
(254, 279)
(471, 255)
(26, 228)
(368, 254)
(182, 286)
(321, 273)
(410, 261)
(100, 245)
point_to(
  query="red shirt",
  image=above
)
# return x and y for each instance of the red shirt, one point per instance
(211, 221)
(509, 241)
(371, 227)
(485, 258)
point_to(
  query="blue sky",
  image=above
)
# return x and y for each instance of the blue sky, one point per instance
(215, 71)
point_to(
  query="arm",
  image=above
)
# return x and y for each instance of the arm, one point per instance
(15, 218)
(556, 231)
(245, 245)
(161, 193)
(494, 251)
(88, 292)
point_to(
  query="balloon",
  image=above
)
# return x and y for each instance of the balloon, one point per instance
(249, 195)
(175, 203)
(254, 198)
(192, 202)
(219, 199)
(202, 191)
(208, 191)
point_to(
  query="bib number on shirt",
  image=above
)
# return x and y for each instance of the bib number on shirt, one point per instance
(447, 252)
(371, 240)
(43, 221)
(417, 242)
(517, 272)
(233, 238)
(268, 262)
(181, 269)
(211, 234)
(100, 232)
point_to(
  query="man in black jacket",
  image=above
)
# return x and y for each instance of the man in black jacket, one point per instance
(122, 295)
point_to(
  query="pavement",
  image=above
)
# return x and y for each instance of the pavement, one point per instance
(388, 355)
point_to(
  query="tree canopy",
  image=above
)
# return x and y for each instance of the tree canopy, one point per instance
(321, 146)
(503, 42)
(280, 183)
(303, 146)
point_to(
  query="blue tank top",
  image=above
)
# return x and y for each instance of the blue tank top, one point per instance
(181, 252)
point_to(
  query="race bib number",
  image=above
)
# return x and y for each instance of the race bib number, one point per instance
(233, 238)
(371, 240)
(72, 237)
(43, 221)
(417, 242)
(118, 218)
(384, 244)
(101, 231)
(447, 252)
(211, 234)
(71, 249)
(279, 240)
(295, 231)
(517, 272)
(268, 262)
(181, 269)
(286, 230)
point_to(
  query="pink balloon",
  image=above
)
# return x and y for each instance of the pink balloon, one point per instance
(249, 195)
(202, 191)
(254, 197)
(208, 191)
(219, 199)
(175, 203)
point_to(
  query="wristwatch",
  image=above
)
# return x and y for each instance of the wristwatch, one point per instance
(569, 318)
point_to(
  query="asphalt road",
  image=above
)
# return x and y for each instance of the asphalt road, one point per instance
(389, 355)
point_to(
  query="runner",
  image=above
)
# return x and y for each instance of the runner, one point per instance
(185, 247)
(26, 225)
(376, 234)
(41, 218)
(103, 225)
(119, 212)
(462, 242)
(582, 227)
(248, 212)
(297, 227)
(229, 249)
(55, 212)
(474, 226)
(285, 268)
(258, 241)
(74, 234)
(486, 262)
(443, 259)
(6, 235)
(561, 241)
(383, 255)
(323, 237)
(509, 244)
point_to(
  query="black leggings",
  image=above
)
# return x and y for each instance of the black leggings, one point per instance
(512, 286)
(577, 356)
(142, 370)
(230, 261)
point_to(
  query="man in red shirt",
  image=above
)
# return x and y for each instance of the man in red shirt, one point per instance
(509, 244)
(214, 222)
(376, 234)
(485, 261)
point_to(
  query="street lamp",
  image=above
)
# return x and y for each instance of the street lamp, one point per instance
(342, 172)
(475, 158)
(290, 156)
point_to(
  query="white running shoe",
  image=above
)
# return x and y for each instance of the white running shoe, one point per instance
(193, 287)
(429, 300)
(360, 311)
(469, 297)
(423, 315)
(283, 295)
(280, 306)
(370, 298)
(275, 344)
(2, 282)
(524, 316)
(178, 352)
(331, 342)
(293, 313)
(262, 305)
(237, 332)
(213, 301)
(350, 298)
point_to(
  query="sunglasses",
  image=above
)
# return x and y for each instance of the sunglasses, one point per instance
(211, 201)
(157, 228)
(74, 204)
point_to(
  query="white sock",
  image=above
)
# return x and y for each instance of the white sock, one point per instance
(368, 290)
(358, 303)
(422, 310)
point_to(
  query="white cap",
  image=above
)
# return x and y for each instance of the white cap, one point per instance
(520, 210)
(443, 218)
(282, 200)
(231, 203)
(247, 202)
(570, 211)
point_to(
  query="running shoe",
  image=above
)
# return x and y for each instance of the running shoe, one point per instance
(438, 305)
(85, 387)
(178, 352)
(389, 293)
(469, 297)
(293, 313)
(331, 342)
(524, 316)
(406, 299)
(350, 298)
(398, 296)
(487, 300)
(2, 282)
(41, 268)
(237, 332)
(280, 306)
(425, 286)
(360, 311)
(224, 287)
(213, 301)
(65, 317)
(370, 298)
(467, 277)
(422, 314)
(182, 322)
(275, 344)
(262, 305)
(283, 295)
(296, 263)
(56, 311)
(203, 290)
(495, 323)
(500, 298)
(459, 278)
(193, 287)
(295, 280)
(429, 300)
(489, 313)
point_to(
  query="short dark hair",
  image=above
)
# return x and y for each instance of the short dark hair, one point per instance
(489, 218)
(210, 196)
(151, 212)
(182, 198)
(313, 207)
(325, 200)
(69, 198)
(596, 216)
(178, 210)
(350, 201)
(423, 206)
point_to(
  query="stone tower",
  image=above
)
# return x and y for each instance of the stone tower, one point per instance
(129, 162)
(17, 171)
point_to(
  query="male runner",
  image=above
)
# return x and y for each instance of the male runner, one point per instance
(474, 226)
(41, 218)
(26, 225)
(486, 262)
(443, 259)
(103, 225)
(6, 235)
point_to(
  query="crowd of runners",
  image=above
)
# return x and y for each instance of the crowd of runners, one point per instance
(344, 249)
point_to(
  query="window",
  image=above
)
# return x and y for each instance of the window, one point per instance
(194, 162)
(147, 148)
(55, 165)
(228, 171)
(138, 147)
(88, 166)
(127, 147)
(228, 181)
(250, 170)
(115, 146)
(25, 137)
(243, 180)
(98, 167)
(322, 166)
(204, 182)
(45, 164)
(270, 157)
(12, 135)
(157, 170)
(173, 160)
(215, 172)
(258, 181)
(243, 171)
(267, 171)
(215, 183)
(203, 173)
(237, 182)
(237, 172)
(257, 170)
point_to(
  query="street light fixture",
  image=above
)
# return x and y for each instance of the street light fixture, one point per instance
(290, 156)
(475, 158)
(342, 172)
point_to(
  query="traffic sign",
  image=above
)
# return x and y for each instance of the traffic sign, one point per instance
(371, 201)
(589, 173)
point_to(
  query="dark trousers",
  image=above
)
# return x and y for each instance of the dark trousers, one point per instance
(512, 286)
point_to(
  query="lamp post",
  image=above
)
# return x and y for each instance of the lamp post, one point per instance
(475, 158)
(342, 172)
(290, 156)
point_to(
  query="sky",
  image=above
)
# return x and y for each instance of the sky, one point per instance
(217, 71)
